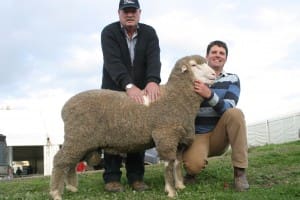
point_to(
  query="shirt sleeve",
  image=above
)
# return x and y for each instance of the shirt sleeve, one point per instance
(230, 98)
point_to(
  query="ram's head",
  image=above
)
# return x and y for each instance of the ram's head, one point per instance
(200, 69)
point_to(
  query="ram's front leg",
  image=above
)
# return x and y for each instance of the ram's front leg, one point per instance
(178, 175)
(166, 141)
(169, 179)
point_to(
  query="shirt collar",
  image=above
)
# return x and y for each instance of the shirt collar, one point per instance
(124, 31)
(223, 74)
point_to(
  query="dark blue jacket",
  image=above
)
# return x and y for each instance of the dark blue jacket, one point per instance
(117, 68)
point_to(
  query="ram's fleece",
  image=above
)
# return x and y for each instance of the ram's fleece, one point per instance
(112, 121)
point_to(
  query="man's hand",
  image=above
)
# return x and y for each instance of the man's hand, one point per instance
(136, 94)
(152, 90)
(202, 89)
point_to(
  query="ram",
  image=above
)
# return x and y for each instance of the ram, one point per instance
(110, 120)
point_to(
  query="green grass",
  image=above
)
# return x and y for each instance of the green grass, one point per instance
(274, 173)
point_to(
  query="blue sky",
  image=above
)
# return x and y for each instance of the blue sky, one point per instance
(50, 50)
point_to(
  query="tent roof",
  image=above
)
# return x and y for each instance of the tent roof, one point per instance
(23, 127)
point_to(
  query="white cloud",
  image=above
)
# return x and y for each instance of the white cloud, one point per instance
(80, 59)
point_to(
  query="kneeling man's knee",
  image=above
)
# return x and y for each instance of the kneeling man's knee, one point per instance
(235, 113)
(193, 167)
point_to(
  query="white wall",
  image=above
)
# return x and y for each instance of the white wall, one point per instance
(49, 153)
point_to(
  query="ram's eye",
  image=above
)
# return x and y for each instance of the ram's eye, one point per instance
(193, 63)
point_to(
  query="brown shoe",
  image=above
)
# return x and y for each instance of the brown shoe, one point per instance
(113, 187)
(139, 186)
(189, 179)
(240, 179)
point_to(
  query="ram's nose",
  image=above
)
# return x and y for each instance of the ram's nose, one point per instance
(213, 76)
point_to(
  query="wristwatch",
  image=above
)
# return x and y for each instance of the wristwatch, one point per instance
(128, 86)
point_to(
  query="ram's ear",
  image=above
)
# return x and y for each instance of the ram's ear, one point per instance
(183, 68)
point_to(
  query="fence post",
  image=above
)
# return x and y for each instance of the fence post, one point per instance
(268, 132)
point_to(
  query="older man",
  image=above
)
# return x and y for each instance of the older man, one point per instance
(131, 56)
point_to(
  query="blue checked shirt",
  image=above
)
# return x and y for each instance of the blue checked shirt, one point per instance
(225, 95)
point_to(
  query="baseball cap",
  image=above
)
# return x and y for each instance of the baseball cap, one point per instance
(129, 4)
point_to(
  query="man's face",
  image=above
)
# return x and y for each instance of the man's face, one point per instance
(129, 17)
(216, 57)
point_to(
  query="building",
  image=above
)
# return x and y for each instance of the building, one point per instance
(30, 144)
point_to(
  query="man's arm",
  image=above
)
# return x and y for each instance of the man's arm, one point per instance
(112, 58)
(153, 59)
(153, 67)
(230, 85)
(231, 97)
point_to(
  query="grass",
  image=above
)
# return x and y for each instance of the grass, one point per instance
(274, 173)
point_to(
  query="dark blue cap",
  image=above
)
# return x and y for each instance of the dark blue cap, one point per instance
(129, 4)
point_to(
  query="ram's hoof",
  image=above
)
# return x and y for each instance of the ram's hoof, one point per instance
(71, 188)
(180, 186)
(170, 191)
(172, 194)
(55, 195)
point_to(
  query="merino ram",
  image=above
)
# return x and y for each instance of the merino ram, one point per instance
(110, 120)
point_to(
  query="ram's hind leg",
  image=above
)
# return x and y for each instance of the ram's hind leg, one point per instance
(57, 184)
(64, 171)
(58, 176)
(169, 179)
(71, 180)
(73, 157)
